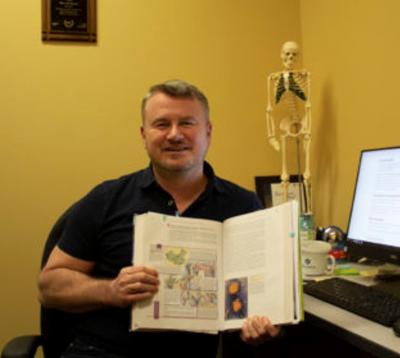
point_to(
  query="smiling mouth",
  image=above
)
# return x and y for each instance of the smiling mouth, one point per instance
(175, 150)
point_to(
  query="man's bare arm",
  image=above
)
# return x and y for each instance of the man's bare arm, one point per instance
(65, 283)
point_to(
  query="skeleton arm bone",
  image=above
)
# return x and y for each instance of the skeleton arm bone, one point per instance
(308, 105)
(270, 119)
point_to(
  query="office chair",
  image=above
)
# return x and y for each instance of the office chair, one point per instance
(56, 326)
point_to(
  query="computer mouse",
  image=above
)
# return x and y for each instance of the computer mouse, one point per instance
(396, 327)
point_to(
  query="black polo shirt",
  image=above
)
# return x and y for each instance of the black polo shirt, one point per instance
(100, 229)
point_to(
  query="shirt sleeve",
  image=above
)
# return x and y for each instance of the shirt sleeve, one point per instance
(81, 234)
(257, 205)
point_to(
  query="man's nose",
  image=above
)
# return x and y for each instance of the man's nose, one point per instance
(174, 132)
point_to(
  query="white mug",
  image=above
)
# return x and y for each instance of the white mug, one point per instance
(315, 258)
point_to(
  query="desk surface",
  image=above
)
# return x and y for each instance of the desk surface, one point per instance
(361, 332)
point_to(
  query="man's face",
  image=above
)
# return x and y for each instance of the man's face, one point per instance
(176, 133)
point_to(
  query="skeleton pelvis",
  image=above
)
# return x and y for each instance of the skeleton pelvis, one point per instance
(291, 127)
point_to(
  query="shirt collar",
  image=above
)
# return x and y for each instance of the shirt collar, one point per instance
(148, 178)
(213, 180)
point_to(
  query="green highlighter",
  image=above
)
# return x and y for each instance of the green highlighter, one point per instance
(346, 271)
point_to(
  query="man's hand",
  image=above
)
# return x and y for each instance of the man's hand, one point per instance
(256, 330)
(133, 283)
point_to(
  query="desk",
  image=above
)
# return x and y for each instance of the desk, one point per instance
(366, 335)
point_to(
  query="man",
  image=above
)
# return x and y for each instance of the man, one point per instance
(91, 271)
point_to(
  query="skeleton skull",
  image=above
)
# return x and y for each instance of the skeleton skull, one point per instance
(289, 53)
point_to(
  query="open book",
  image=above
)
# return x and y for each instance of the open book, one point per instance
(213, 275)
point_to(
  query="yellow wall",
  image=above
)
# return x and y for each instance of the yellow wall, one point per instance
(351, 49)
(69, 113)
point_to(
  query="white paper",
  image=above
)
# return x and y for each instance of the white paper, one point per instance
(213, 275)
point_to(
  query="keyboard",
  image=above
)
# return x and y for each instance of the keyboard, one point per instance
(375, 305)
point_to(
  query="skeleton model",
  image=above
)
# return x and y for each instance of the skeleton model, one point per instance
(289, 103)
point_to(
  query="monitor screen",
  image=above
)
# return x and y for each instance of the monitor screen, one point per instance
(374, 224)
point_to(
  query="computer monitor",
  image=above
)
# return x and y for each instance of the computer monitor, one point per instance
(374, 224)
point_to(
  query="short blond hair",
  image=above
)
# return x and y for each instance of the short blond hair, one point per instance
(178, 89)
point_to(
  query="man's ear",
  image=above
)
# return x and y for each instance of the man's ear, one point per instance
(143, 135)
(209, 130)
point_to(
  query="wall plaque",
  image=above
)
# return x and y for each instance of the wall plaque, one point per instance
(69, 20)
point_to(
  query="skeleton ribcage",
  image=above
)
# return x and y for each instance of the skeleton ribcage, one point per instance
(290, 89)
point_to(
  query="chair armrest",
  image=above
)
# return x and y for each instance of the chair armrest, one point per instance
(22, 347)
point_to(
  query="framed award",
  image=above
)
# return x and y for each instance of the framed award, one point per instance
(69, 20)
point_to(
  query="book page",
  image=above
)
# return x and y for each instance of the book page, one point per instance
(259, 265)
(187, 254)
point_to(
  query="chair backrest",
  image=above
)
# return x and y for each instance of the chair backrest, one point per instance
(56, 326)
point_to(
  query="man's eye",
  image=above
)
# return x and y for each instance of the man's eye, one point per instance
(161, 125)
(188, 123)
